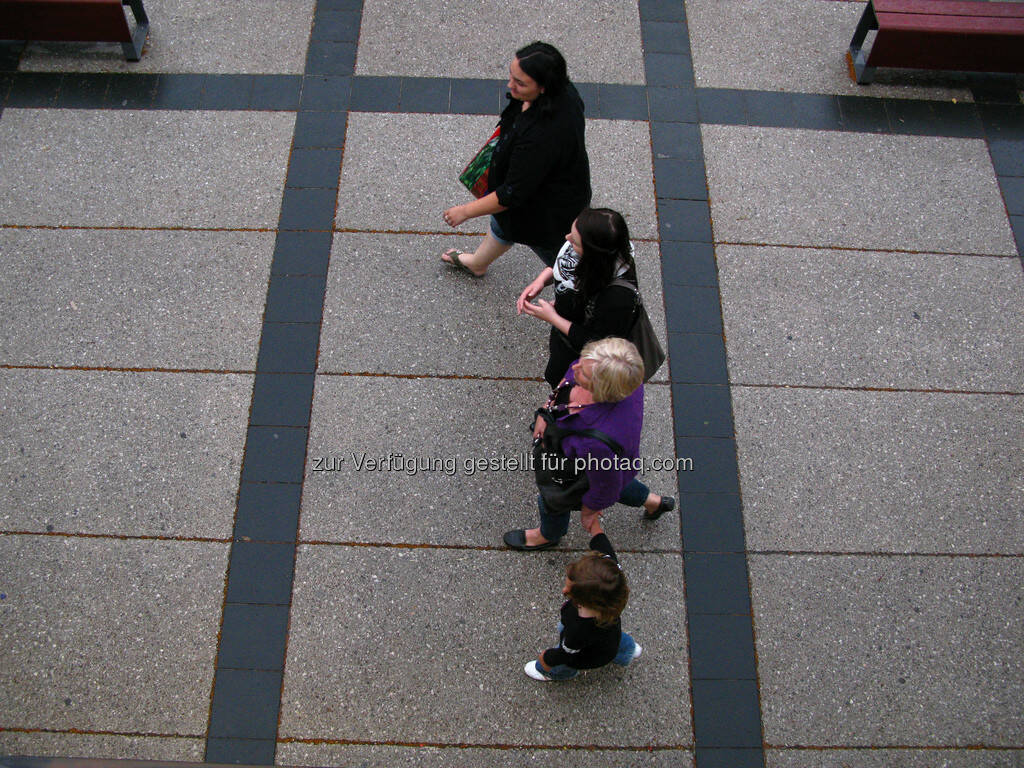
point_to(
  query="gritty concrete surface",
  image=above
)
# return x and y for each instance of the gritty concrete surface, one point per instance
(868, 466)
(771, 186)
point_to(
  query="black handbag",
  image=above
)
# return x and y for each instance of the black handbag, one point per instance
(642, 334)
(559, 482)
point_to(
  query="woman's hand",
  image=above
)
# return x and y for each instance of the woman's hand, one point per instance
(538, 428)
(591, 519)
(456, 215)
(532, 291)
(542, 310)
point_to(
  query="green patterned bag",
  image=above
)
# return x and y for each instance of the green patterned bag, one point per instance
(474, 175)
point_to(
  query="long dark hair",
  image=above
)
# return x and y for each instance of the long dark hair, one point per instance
(605, 240)
(544, 63)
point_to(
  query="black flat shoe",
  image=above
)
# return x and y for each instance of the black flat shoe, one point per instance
(517, 540)
(667, 504)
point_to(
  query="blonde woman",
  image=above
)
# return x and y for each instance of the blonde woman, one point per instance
(603, 392)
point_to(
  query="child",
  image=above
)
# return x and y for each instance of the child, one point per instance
(590, 634)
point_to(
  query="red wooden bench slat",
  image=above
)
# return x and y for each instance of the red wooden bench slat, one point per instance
(984, 25)
(69, 20)
(950, 8)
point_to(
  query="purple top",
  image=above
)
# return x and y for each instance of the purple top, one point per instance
(608, 474)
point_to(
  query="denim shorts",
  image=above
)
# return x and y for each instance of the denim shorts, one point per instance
(546, 254)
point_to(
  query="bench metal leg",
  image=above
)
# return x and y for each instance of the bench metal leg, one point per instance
(863, 74)
(133, 50)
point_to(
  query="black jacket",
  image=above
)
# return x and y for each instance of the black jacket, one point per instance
(540, 170)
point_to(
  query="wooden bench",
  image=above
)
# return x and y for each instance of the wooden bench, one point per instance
(961, 35)
(75, 20)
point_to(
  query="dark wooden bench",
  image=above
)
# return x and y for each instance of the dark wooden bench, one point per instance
(954, 35)
(75, 20)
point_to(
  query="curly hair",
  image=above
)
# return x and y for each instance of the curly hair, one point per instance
(598, 583)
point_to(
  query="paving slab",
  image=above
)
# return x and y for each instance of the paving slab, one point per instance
(393, 306)
(96, 168)
(378, 143)
(89, 621)
(438, 39)
(115, 453)
(446, 461)
(845, 471)
(798, 46)
(420, 624)
(813, 317)
(902, 651)
(315, 754)
(911, 193)
(210, 36)
(128, 298)
(887, 758)
(102, 747)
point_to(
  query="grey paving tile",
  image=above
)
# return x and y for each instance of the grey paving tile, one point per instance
(253, 637)
(712, 522)
(109, 453)
(330, 57)
(104, 747)
(702, 410)
(889, 486)
(274, 454)
(295, 298)
(260, 573)
(726, 714)
(882, 191)
(459, 757)
(685, 263)
(387, 293)
(288, 348)
(193, 169)
(143, 299)
(721, 647)
(282, 399)
(673, 104)
(730, 757)
(320, 129)
(479, 41)
(63, 664)
(132, 91)
(425, 94)
(884, 758)
(268, 511)
(245, 704)
(736, 44)
(378, 143)
(240, 751)
(1013, 193)
(922, 321)
(915, 651)
(461, 671)
(401, 485)
(196, 36)
(717, 585)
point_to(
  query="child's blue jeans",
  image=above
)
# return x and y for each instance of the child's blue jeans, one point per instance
(625, 655)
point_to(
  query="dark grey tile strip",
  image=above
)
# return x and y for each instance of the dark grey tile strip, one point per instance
(246, 698)
(723, 664)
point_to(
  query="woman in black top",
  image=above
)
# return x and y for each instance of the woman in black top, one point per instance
(539, 177)
(595, 289)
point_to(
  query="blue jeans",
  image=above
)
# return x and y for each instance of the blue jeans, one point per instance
(554, 523)
(546, 253)
(625, 655)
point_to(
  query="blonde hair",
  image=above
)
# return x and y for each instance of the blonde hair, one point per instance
(617, 371)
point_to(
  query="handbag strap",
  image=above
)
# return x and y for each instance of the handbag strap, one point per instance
(564, 432)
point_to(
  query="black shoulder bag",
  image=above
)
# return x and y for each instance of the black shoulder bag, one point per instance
(560, 484)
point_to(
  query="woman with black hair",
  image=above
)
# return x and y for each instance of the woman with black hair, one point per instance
(595, 288)
(539, 177)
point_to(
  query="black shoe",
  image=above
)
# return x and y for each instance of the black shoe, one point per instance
(667, 504)
(517, 540)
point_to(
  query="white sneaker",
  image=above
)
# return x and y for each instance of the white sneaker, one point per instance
(534, 671)
(636, 652)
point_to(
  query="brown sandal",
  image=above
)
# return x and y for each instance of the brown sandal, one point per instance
(454, 260)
